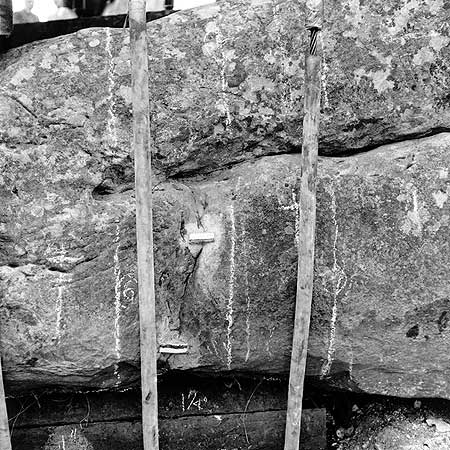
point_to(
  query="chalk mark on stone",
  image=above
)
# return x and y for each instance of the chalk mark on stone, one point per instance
(111, 124)
(117, 304)
(350, 365)
(418, 216)
(269, 341)
(59, 307)
(295, 207)
(324, 78)
(214, 346)
(339, 280)
(230, 302)
(247, 295)
(218, 54)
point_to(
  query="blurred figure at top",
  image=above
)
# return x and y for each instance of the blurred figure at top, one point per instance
(63, 12)
(25, 15)
(115, 7)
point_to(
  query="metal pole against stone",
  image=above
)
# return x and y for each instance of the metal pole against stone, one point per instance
(307, 212)
(5, 438)
(6, 17)
(144, 221)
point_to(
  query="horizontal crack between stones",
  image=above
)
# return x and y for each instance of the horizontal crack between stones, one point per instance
(324, 153)
(47, 266)
(405, 138)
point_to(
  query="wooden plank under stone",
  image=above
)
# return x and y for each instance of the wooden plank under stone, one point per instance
(181, 398)
(177, 396)
(256, 430)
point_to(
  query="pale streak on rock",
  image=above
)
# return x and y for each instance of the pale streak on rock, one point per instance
(217, 52)
(294, 206)
(111, 125)
(416, 217)
(247, 295)
(224, 87)
(214, 345)
(246, 285)
(350, 364)
(59, 308)
(230, 302)
(339, 279)
(269, 341)
(117, 304)
(324, 77)
(59, 303)
(247, 318)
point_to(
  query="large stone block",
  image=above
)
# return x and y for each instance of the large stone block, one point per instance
(226, 84)
(69, 306)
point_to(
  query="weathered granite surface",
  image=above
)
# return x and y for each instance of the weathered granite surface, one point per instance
(226, 82)
(381, 299)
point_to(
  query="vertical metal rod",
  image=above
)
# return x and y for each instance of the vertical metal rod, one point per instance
(144, 221)
(6, 17)
(307, 212)
(5, 438)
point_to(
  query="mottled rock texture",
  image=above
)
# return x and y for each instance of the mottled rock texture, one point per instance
(226, 82)
(402, 427)
(381, 300)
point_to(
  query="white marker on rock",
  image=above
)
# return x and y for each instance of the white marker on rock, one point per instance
(201, 238)
(173, 348)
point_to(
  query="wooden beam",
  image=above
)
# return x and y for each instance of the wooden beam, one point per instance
(6, 17)
(307, 213)
(258, 430)
(5, 439)
(144, 221)
(195, 412)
